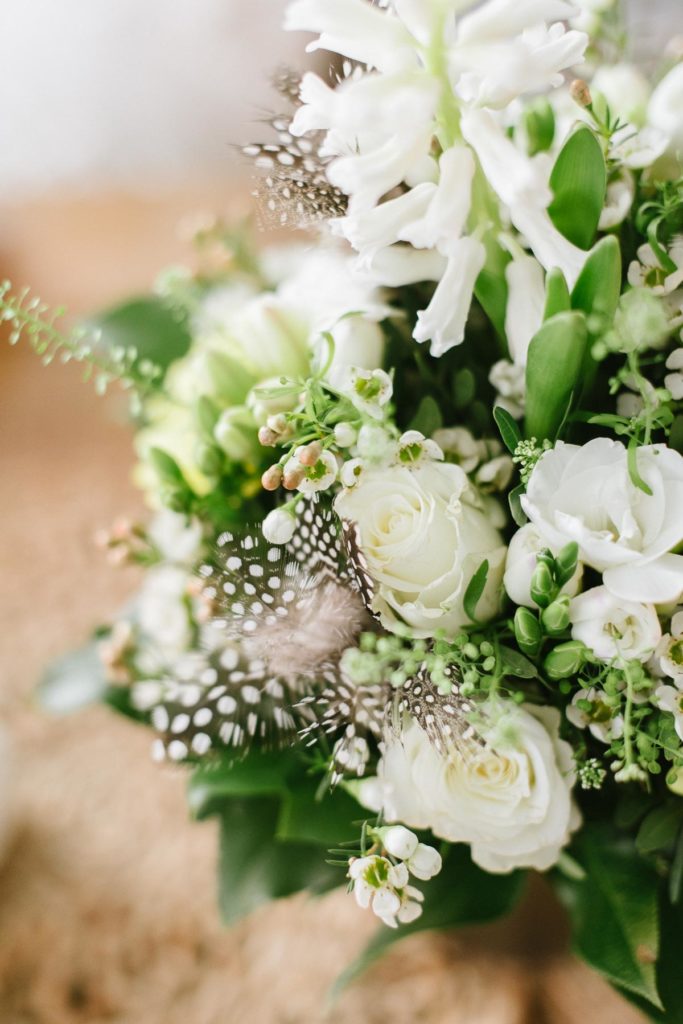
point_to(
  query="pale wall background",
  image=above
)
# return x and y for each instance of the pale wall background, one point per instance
(138, 93)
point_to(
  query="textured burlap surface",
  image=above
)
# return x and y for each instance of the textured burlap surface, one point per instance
(107, 900)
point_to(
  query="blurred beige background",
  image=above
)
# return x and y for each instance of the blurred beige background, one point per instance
(116, 122)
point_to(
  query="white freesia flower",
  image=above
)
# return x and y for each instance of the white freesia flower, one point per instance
(510, 799)
(521, 562)
(424, 533)
(585, 494)
(614, 629)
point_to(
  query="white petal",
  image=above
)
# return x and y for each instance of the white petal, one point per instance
(400, 265)
(525, 304)
(500, 18)
(443, 322)
(355, 29)
(443, 221)
(524, 191)
(658, 582)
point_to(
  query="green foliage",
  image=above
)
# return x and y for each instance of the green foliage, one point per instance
(491, 287)
(276, 823)
(508, 427)
(148, 326)
(255, 867)
(553, 373)
(475, 588)
(597, 290)
(428, 417)
(539, 123)
(557, 297)
(461, 894)
(578, 181)
(614, 912)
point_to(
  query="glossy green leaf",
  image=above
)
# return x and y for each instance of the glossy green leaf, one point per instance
(461, 894)
(557, 297)
(578, 182)
(328, 819)
(257, 774)
(515, 503)
(475, 588)
(614, 912)
(148, 325)
(660, 828)
(553, 373)
(508, 427)
(428, 417)
(539, 122)
(255, 867)
(597, 290)
(73, 681)
(490, 288)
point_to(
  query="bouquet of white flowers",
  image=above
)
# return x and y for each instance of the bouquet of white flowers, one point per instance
(413, 605)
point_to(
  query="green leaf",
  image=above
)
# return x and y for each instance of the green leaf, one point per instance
(676, 435)
(597, 290)
(659, 829)
(553, 373)
(557, 297)
(464, 387)
(539, 121)
(515, 503)
(254, 867)
(579, 182)
(148, 325)
(428, 417)
(167, 467)
(257, 774)
(508, 427)
(490, 288)
(515, 664)
(73, 681)
(614, 912)
(326, 819)
(676, 874)
(633, 471)
(475, 588)
(461, 894)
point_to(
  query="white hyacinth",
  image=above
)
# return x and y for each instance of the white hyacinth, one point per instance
(435, 71)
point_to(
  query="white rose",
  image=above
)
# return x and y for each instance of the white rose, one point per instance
(613, 628)
(424, 534)
(512, 803)
(585, 494)
(521, 562)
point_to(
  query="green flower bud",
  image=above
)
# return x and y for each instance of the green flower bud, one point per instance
(565, 660)
(542, 585)
(555, 618)
(527, 631)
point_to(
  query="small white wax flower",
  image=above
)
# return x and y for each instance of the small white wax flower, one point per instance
(320, 476)
(278, 526)
(400, 842)
(425, 862)
(599, 721)
(669, 651)
(369, 390)
(674, 381)
(669, 698)
(413, 446)
(350, 472)
(345, 435)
